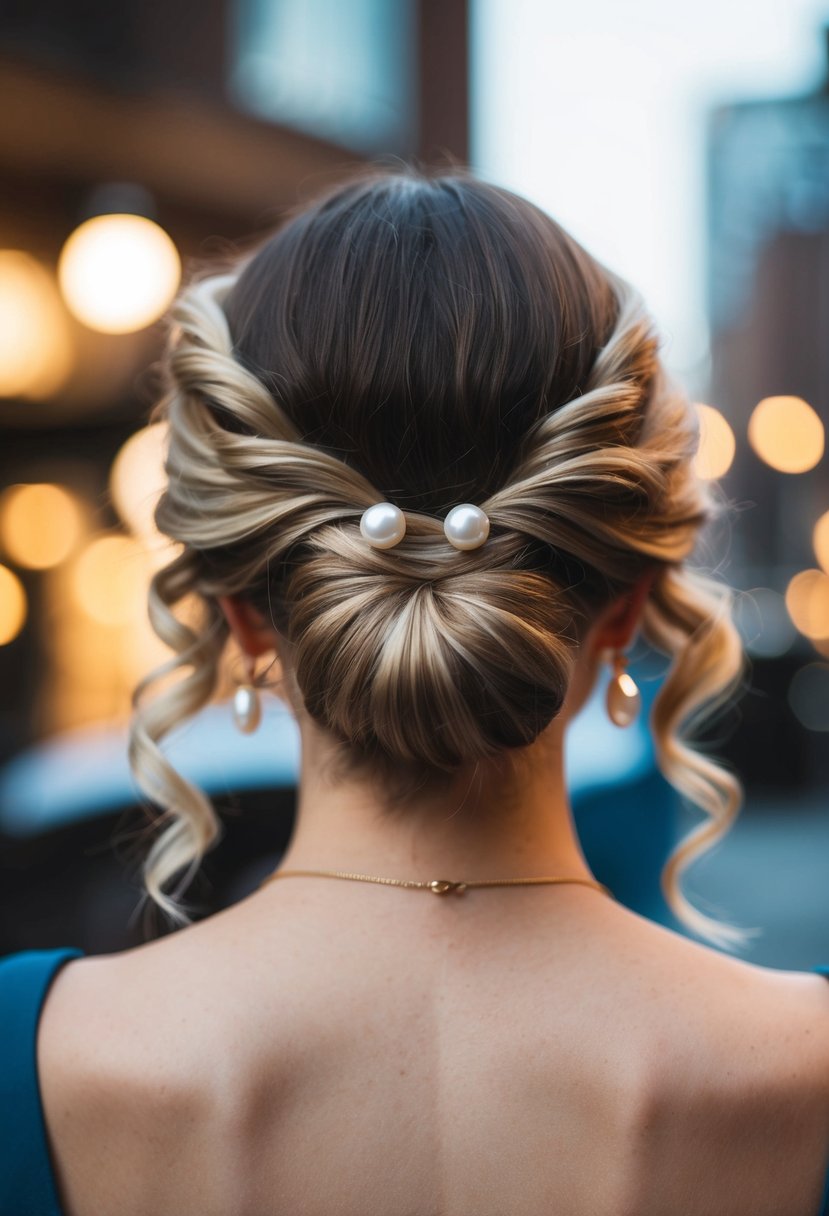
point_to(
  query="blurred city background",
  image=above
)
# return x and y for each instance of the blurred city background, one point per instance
(687, 150)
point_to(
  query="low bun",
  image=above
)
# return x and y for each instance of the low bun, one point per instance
(431, 659)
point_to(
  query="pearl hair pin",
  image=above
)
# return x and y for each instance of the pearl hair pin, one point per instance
(466, 526)
(383, 525)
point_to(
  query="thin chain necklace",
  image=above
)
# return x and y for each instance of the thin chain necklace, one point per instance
(439, 886)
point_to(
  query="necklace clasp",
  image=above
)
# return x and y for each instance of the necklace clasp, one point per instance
(443, 886)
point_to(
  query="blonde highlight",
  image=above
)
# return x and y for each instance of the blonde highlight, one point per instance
(421, 658)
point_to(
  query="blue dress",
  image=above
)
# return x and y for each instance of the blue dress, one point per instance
(27, 1182)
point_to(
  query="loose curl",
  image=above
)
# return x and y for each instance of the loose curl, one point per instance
(428, 341)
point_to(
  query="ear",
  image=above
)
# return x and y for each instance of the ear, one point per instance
(254, 634)
(616, 626)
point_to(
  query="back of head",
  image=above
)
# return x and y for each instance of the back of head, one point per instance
(429, 341)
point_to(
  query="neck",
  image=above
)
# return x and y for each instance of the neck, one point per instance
(496, 820)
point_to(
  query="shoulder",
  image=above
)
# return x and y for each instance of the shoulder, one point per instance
(107, 1025)
(112, 1088)
(738, 1080)
(26, 976)
(716, 1009)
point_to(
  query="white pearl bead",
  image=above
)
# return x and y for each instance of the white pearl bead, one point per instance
(383, 525)
(466, 526)
(624, 701)
(247, 709)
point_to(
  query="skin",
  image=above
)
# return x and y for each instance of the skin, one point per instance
(337, 1047)
(521, 824)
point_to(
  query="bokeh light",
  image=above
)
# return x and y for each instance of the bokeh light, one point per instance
(137, 479)
(35, 348)
(118, 273)
(763, 622)
(110, 580)
(807, 599)
(12, 605)
(717, 444)
(40, 524)
(809, 696)
(786, 433)
(820, 540)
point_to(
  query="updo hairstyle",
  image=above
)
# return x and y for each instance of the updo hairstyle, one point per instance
(428, 341)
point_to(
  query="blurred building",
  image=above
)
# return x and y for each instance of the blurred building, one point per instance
(768, 289)
(139, 139)
(208, 118)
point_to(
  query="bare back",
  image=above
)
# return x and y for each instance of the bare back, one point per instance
(362, 1051)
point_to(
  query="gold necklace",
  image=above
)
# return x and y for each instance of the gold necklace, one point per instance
(439, 886)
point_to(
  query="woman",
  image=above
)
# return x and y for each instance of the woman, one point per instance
(425, 460)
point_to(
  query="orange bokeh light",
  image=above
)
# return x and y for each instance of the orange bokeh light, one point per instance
(40, 524)
(807, 600)
(820, 540)
(12, 605)
(717, 444)
(787, 434)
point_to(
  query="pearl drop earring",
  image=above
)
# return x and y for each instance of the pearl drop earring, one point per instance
(247, 708)
(624, 700)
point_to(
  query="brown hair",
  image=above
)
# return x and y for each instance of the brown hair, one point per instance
(429, 340)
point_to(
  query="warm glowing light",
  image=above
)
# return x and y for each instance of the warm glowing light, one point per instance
(12, 605)
(717, 444)
(39, 524)
(627, 685)
(110, 579)
(118, 273)
(786, 433)
(807, 599)
(820, 540)
(35, 349)
(137, 479)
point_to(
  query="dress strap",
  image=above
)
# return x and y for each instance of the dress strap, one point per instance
(27, 1183)
(823, 969)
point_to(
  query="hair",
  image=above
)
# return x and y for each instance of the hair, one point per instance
(428, 340)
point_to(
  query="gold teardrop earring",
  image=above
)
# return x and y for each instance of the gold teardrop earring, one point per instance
(247, 707)
(624, 700)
